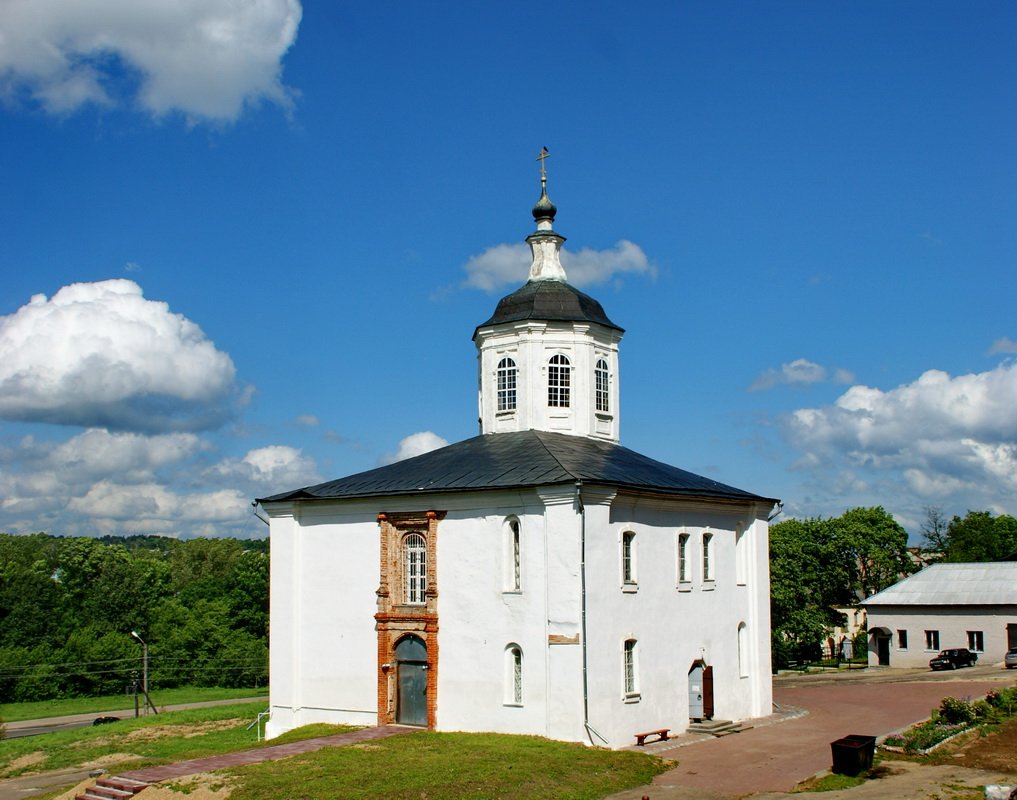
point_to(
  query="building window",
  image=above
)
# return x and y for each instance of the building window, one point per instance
(600, 381)
(932, 640)
(506, 385)
(513, 675)
(628, 558)
(415, 561)
(708, 557)
(629, 667)
(976, 642)
(684, 573)
(743, 651)
(513, 556)
(902, 640)
(559, 382)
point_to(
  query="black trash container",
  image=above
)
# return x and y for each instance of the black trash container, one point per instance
(853, 754)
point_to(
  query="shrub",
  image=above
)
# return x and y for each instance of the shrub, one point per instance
(956, 712)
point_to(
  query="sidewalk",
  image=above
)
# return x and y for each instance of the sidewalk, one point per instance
(776, 757)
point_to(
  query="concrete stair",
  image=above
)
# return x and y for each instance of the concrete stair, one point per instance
(717, 727)
(112, 788)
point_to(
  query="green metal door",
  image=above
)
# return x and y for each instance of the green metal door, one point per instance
(411, 678)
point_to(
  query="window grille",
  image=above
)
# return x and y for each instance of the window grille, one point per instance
(415, 555)
(559, 382)
(600, 382)
(506, 385)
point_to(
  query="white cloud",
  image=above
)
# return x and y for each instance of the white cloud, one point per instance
(939, 437)
(507, 264)
(275, 468)
(101, 355)
(415, 444)
(800, 372)
(1003, 345)
(205, 58)
(306, 421)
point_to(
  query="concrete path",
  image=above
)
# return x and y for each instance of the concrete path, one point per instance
(775, 757)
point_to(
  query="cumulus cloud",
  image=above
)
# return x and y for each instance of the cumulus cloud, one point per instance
(507, 264)
(275, 468)
(1003, 345)
(800, 372)
(939, 436)
(415, 444)
(101, 355)
(206, 58)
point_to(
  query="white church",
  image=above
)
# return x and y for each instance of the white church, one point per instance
(538, 578)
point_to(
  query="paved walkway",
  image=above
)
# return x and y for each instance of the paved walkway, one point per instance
(775, 757)
(181, 768)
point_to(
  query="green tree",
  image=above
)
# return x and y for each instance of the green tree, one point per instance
(979, 536)
(875, 548)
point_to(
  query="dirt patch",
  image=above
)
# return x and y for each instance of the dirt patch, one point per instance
(996, 751)
(28, 760)
(204, 786)
(148, 734)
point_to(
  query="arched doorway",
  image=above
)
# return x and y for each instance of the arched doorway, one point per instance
(411, 681)
(881, 645)
(700, 691)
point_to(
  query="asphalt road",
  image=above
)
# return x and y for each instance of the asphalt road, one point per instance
(34, 727)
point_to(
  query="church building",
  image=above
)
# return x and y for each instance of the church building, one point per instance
(539, 578)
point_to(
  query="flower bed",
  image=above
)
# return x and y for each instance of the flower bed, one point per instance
(953, 717)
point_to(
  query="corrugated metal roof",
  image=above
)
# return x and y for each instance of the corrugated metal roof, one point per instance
(516, 460)
(549, 300)
(984, 584)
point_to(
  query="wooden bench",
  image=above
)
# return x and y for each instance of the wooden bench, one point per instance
(660, 734)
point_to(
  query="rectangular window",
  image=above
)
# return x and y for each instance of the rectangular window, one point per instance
(629, 668)
(707, 556)
(902, 640)
(628, 558)
(976, 642)
(684, 573)
(932, 640)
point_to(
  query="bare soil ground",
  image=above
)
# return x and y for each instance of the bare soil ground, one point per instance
(995, 751)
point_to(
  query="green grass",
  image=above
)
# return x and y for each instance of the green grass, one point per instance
(831, 783)
(449, 766)
(13, 712)
(86, 745)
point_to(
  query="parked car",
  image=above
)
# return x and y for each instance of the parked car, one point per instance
(953, 658)
(105, 720)
(1011, 658)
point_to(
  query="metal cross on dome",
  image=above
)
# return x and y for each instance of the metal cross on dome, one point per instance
(544, 155)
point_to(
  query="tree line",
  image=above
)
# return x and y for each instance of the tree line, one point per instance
(68, 606)
(818, 565)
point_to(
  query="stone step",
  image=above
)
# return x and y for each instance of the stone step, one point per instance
(715, 727)
(112, 788)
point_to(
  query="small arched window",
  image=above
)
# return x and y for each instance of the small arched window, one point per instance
(506, 385)
(513, 556)
(628, 557)
(707, 556)
(600, 383)
(415, 562)
(684, 573)
(629, 668)
(513, 675)
(559, 382)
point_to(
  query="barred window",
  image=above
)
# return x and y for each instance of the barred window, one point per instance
(415, 560)
(559, 382)
(506, 385)
(707, 557)
(600, 382)
(628, 556)
(684, 573)
(514, 675)
(629, 667)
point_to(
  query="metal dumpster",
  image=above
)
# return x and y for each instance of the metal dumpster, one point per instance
(853, 754)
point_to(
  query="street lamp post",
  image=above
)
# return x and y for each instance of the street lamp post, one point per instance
(144, 665)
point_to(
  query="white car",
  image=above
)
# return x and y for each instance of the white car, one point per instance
(1011, 658)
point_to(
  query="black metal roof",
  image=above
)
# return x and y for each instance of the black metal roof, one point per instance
(549, 300)
(517, 460)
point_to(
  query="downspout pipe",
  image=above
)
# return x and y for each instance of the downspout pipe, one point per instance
(590, 730)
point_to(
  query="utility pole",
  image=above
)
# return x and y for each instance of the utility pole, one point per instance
(144, 670)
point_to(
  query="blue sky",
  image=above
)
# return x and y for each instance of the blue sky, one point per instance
(245, 246)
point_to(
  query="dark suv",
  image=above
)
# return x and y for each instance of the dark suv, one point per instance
(953, 658)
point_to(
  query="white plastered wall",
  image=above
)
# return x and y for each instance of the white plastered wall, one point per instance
(953, 624)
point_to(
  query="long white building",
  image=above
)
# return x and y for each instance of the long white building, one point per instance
(539, 578)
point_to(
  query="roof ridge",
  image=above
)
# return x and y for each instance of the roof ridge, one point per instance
(538, 435)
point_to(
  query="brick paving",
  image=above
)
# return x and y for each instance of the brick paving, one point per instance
(270, 753)
(775, 757)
